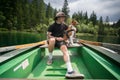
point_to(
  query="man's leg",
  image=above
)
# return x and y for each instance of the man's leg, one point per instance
(66, 58)
(50, 48)
(51, 44)
(70, 72)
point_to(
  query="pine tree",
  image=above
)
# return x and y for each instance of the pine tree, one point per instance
(80, 16)
(107, 20)
(101, 26)
(86, 17)
(55, 11)
(19, 14)
(34, 13)
(52, 11)
(117, 25)
(27, 12)
(42, 11)
(74, 16)
(93, 18)
(65, 8)
(7, 9)
(49, 11)
(2, 19)
(23, 14)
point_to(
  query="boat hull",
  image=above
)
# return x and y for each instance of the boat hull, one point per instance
(32, 64)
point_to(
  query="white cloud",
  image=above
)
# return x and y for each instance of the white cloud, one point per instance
(101, 7)
(55, 3)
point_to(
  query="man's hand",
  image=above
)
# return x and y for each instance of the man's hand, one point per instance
(59, 39)
(49, 35)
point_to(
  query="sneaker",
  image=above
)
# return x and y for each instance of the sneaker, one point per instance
(49, 62)
(74, 75)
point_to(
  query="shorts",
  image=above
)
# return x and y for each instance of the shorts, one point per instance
(58, 44)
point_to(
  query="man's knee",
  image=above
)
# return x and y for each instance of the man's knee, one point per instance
(52, 40)
(63, 48)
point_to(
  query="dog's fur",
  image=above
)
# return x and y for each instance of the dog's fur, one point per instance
(65, 37)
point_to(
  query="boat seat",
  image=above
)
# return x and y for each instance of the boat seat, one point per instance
(75, 45)
(14, 53)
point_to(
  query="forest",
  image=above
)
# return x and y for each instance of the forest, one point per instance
(36, 16)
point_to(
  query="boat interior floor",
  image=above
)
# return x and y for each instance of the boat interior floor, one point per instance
(58, 68)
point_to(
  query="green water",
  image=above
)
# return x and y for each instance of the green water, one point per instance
(101, 38)
(16, 38)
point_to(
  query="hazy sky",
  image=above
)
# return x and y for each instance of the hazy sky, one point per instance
(103, 8)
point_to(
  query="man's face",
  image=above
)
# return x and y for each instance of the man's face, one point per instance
(61, 19)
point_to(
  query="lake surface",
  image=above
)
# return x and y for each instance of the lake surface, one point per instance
(16, 38)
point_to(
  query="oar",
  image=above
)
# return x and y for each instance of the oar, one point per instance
(90, 42)
(5, 49)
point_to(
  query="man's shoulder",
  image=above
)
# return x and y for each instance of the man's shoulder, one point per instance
(51, 27)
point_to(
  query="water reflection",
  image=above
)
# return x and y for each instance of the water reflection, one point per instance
(16, 38)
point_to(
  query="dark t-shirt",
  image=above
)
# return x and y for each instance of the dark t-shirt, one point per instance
(57, 30)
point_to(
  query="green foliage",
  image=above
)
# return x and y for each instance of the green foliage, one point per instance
(22, 15)
(41, 28)
(3, 29)
(36, 16)
(110, 31)
(83, 28)
(51, 21)
(2, 18)
(69, 20)
(94, 26)
(7, 11)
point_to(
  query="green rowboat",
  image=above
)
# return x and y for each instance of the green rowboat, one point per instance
(30, 63)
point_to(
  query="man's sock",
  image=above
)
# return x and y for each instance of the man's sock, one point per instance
(50, 55)
(69, 66)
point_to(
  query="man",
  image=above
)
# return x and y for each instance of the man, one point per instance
(72, 26)
(55, 39)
